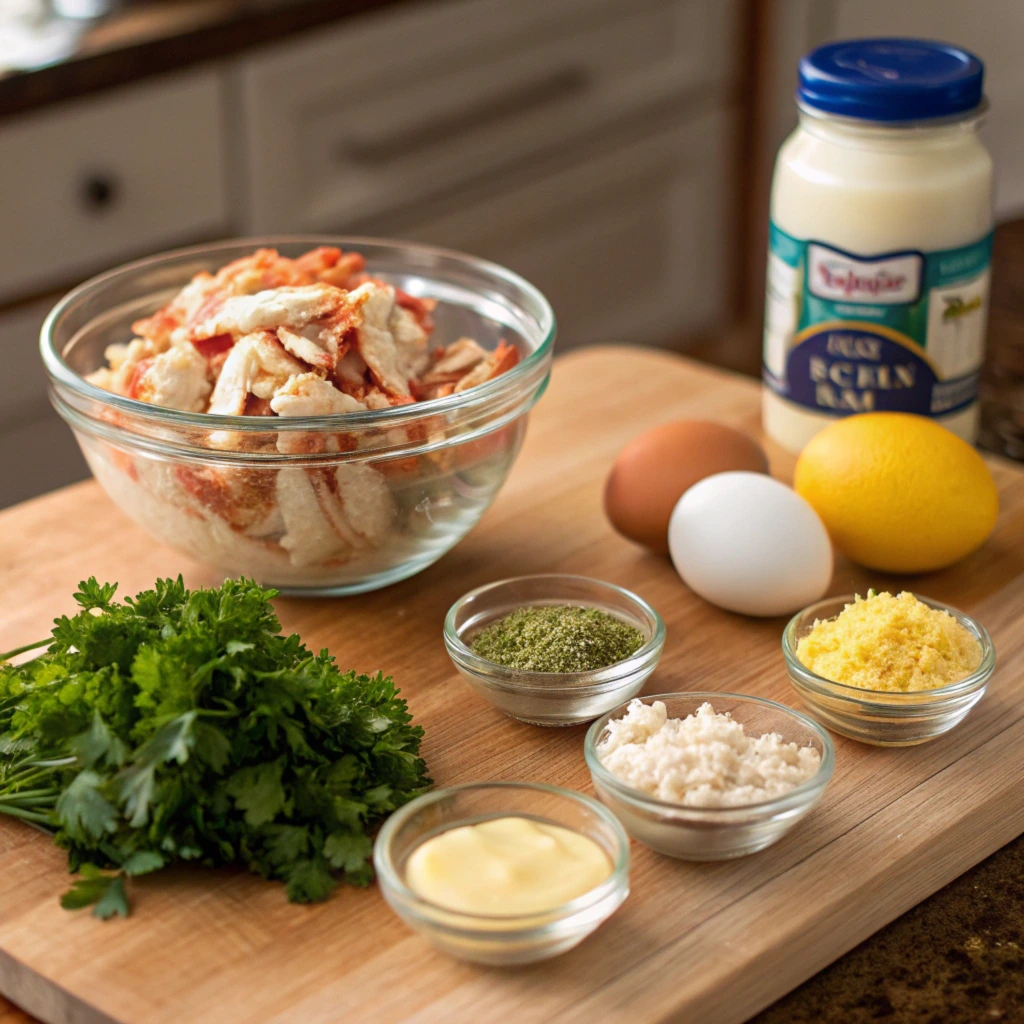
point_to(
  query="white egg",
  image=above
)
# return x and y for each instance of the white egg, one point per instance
(748, 543)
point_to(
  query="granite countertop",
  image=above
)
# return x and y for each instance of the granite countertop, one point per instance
(148, 37)
(956, 958)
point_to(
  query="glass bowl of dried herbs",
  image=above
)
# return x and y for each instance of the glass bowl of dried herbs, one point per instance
(554, 649)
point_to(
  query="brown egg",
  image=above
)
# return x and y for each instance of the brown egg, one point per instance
(653, 470)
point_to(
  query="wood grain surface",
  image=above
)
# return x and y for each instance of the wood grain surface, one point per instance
(708, 943)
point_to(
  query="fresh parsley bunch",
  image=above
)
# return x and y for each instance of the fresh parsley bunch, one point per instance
(182, 726)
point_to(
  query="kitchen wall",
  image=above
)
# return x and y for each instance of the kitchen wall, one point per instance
(994, 29)
(786, 29)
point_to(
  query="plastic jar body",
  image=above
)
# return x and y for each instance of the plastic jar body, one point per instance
(877, 285)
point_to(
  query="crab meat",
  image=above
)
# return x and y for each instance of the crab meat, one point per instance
(327, 512)
(410, 342)
(350, 373)
(310, 395)
(332, 265)
(315, 337)
(124, 364)
(367, 502)
(102, 378)
(206, 293)
(244, 498)
(308, 537)
(389, 339)
(308, 346)
(310, 321)
(257, 365)
(500, 361)
(455, 362)
(202, 296)
(293, 308)
(175, 379)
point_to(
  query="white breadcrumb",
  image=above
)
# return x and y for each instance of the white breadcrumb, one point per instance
(703, 760)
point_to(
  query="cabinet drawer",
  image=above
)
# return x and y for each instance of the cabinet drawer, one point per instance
(393, 110)
(40, 454)
(629, 245)
(39, 449)
(23, 374)
(115, 175)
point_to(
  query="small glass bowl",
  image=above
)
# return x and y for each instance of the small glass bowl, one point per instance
(494, 939)
(877, 716)
(714, 833)
(552, 698)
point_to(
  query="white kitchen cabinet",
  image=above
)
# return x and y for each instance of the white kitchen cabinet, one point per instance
(22, 366)
(579, 143)
(40, 454)
(39, 451)
(629, 242)
(415, 105)
(124, 173)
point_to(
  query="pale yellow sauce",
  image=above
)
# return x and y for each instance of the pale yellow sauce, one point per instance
(506, 866)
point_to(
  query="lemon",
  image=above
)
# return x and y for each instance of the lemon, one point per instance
(898, 492)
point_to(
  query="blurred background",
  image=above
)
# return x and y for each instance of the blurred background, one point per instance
(618, 154)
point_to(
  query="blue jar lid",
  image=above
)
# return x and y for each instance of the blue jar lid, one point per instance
(890, 80)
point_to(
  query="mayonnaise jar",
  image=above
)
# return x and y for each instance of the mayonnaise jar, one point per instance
(879, 242)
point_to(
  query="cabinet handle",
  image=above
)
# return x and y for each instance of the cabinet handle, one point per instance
(541, 92)
(100, 191)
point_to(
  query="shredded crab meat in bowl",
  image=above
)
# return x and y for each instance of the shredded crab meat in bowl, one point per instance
(314, 336)
(267, 335)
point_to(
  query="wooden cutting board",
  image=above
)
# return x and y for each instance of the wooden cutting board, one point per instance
(695, 942)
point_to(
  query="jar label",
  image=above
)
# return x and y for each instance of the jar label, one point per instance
(897, 331)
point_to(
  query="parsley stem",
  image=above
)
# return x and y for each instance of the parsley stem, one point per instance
(49, 801)
(30, 773)
(25, 815)
(23, 795)
(22, 650)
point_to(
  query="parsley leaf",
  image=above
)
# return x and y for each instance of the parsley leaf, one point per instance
(104, 892)
(85, 812)
(258, 791)
(113, 901)
(309, 881)
(348, 851)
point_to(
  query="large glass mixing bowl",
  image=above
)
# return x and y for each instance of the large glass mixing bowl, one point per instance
(419, 476)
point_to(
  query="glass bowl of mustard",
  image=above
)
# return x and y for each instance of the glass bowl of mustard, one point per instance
(885, 718)
(469, 902)
(552, 698)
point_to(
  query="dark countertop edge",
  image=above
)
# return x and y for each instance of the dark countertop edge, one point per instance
(81, 76)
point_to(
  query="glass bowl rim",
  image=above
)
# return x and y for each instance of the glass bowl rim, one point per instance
(525, 680)
(60, 372)
(816, 782)
(389, 876)
(893, 698)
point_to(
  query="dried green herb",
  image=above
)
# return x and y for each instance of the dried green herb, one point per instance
(557, 638)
